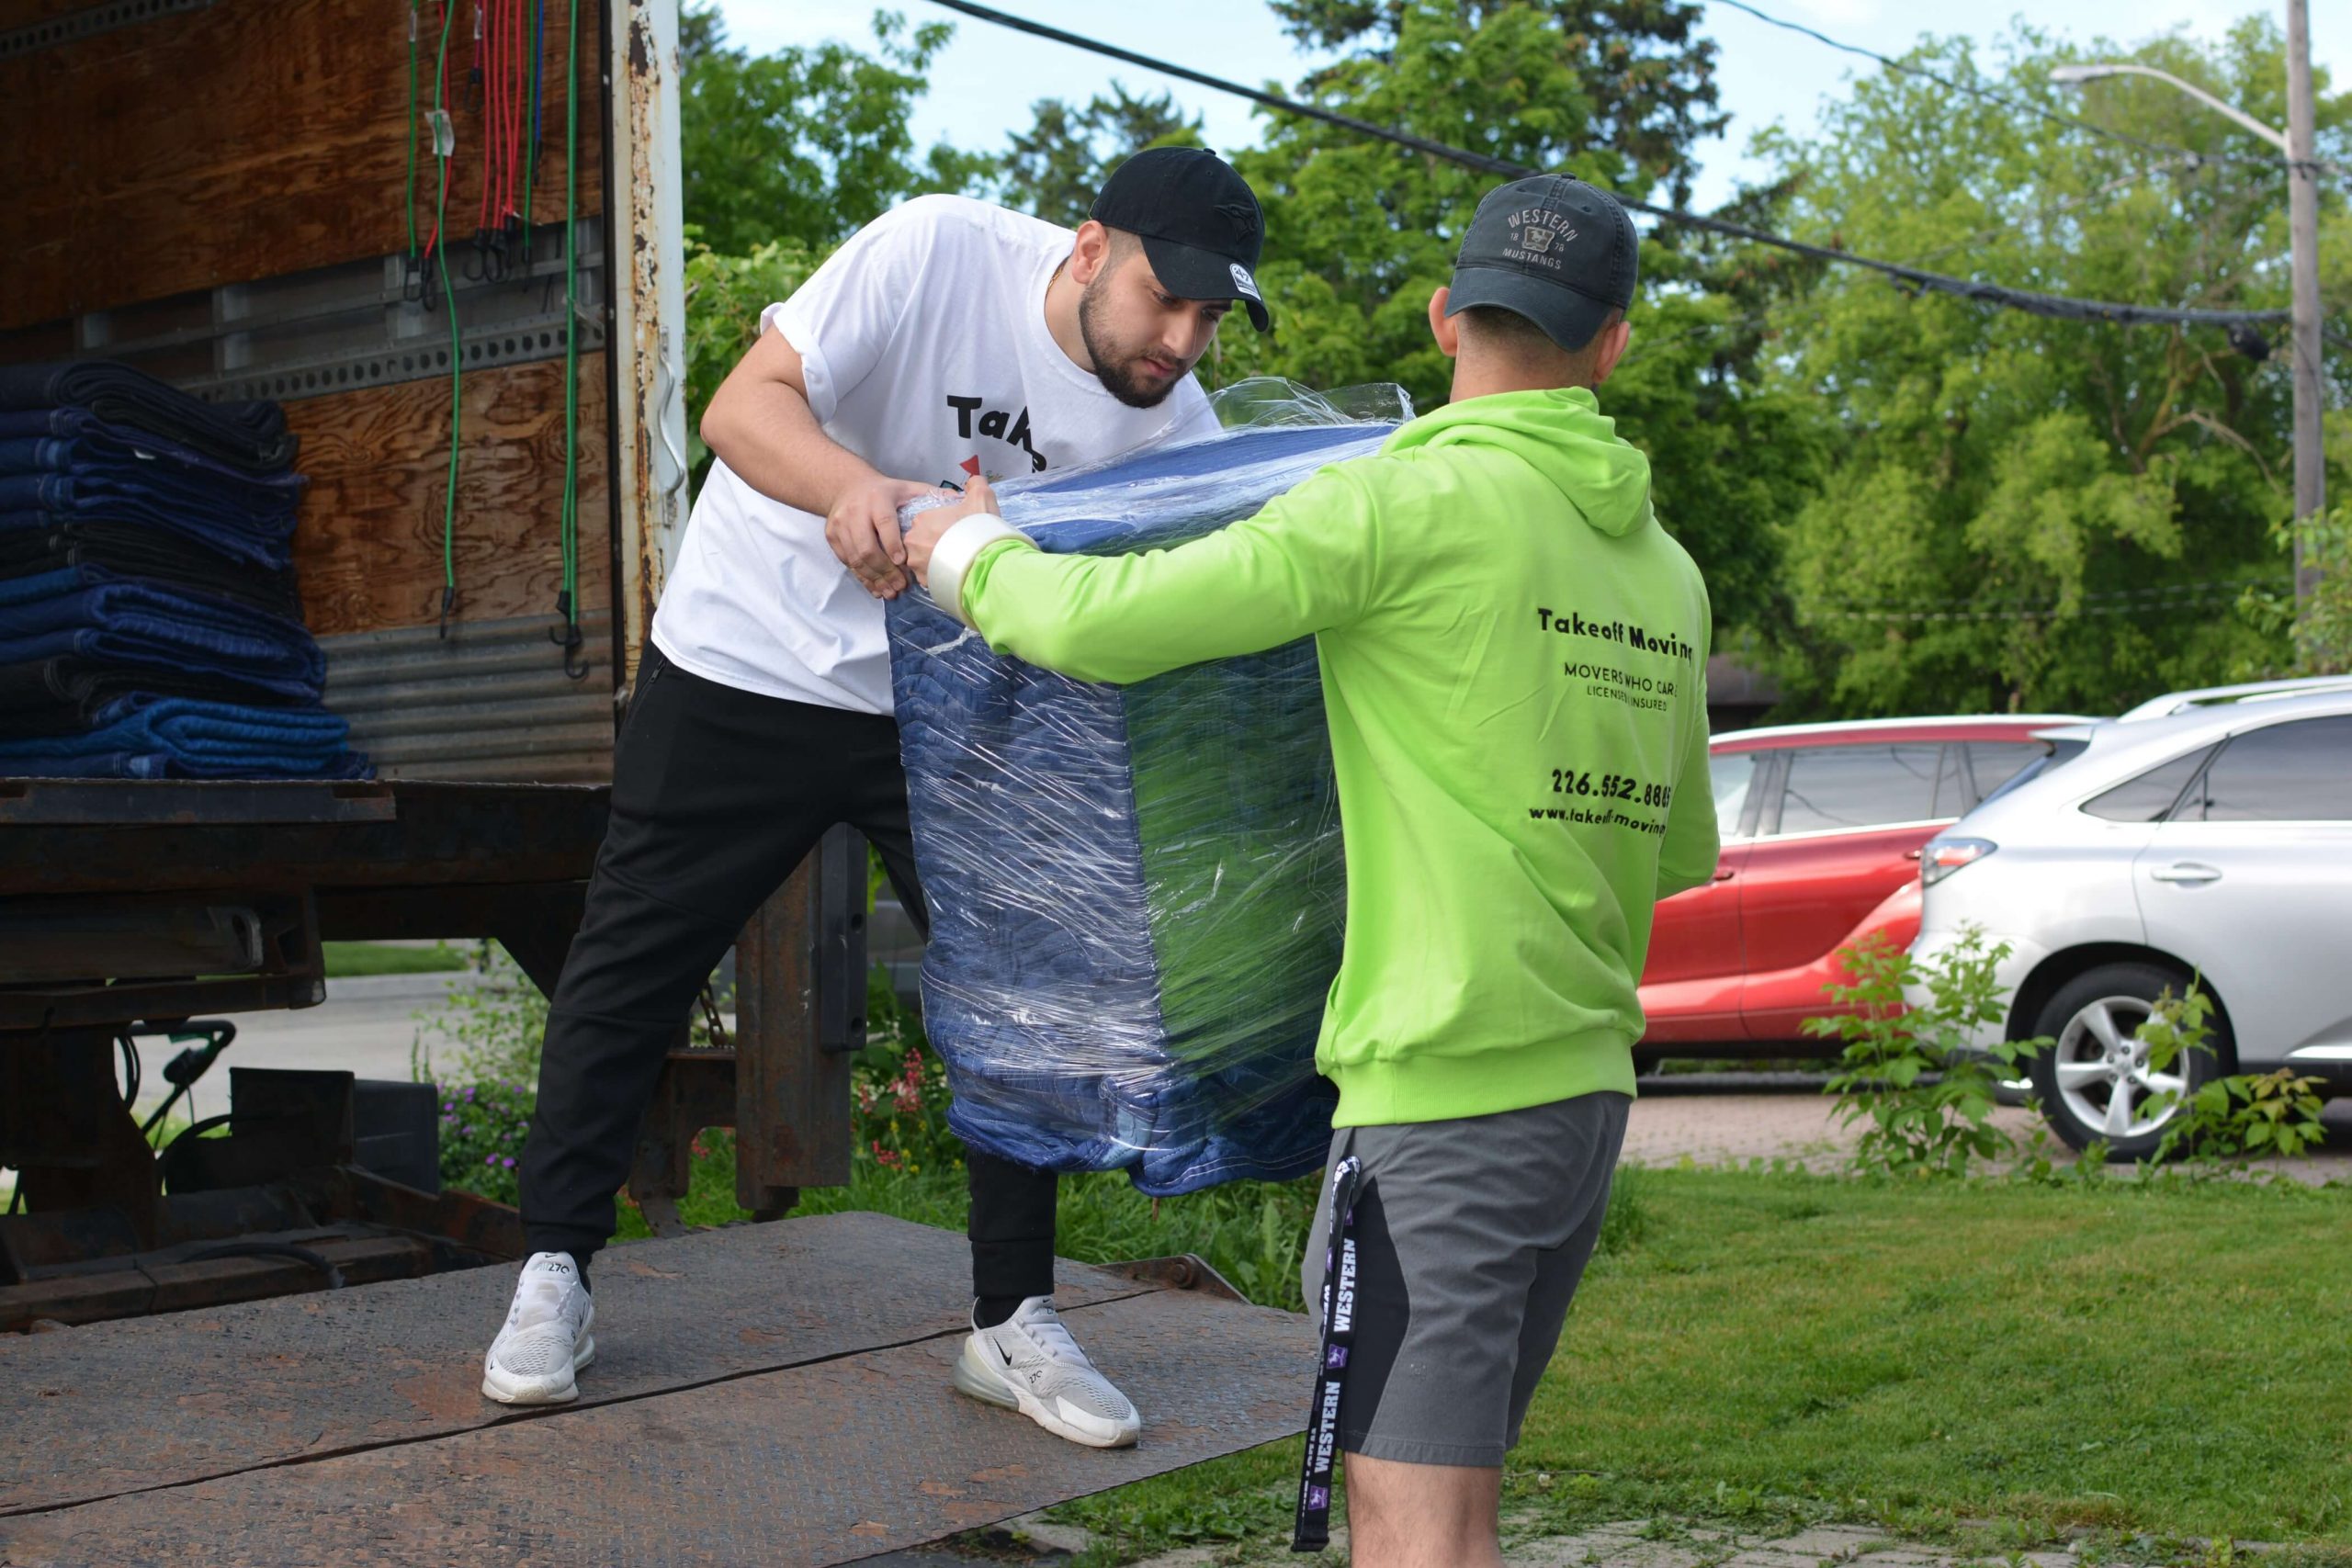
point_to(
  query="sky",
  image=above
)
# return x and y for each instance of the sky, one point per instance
(984, 82)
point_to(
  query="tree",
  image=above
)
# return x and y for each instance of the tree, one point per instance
(783, 156)
(2018, 512)
(1361, 232)
(804, 145)
(1054, 169)
(725, 297)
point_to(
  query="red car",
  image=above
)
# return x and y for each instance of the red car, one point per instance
(1822, 827)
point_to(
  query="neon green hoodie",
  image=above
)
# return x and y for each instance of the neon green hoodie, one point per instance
(1513, 656)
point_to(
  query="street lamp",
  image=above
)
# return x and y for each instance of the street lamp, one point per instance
(2076, 76)
(2303, 234)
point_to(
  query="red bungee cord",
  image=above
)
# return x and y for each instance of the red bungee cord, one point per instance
(486, 77)
(517, 86)
(441, 114)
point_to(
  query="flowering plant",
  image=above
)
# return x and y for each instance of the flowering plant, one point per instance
(482, 1136)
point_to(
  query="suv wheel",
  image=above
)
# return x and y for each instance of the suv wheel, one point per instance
(2095, 1081)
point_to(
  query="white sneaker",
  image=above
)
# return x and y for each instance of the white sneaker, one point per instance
(1030, 1364)
(546, 1339)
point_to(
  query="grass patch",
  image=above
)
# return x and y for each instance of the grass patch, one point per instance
(1771, 1351)
(2147, 1359)
(1251, 1232)
(347, 959)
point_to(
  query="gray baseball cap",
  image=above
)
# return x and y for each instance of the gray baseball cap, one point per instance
(1554, 250)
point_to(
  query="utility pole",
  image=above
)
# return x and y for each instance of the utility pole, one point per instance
(2303, 234)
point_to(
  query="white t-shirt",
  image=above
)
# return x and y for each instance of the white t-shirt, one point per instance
(924, 346)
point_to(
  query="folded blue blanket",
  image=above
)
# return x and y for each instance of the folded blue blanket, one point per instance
(1136, 893)
(166, 497)
(56, 614)
(65, 695)
(115, 552)
(252, 435)
(149, 737)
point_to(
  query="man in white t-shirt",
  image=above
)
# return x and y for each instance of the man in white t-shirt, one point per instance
(947, 339)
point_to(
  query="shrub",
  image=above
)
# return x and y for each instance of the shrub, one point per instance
(2228, 1121)
(482, 1126)
(496, 1020)
(1914, 1073)
(899, 1090)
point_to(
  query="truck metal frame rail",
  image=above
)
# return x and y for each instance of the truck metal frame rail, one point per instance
(765, 1394)
(144, 904)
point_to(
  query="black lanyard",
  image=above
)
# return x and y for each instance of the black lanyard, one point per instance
(1313, 1531)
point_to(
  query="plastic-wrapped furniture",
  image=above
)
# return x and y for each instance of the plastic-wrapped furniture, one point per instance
(1136, 893)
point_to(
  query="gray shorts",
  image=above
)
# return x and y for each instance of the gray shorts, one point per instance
(1471, 1237)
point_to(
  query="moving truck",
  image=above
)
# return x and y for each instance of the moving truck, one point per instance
(444, 235)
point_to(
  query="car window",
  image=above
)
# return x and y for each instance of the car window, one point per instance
(1858, 786)
(2057, 754)
(1951, 797)
(1730, 774)
(1996, 762)
(2149, 796)
(2287, 773)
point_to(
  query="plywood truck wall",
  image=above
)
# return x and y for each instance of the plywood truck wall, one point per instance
(217, 193)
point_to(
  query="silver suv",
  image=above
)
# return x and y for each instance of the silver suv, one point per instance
(2205, 835)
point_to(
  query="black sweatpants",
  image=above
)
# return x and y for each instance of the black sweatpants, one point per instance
(717, 794)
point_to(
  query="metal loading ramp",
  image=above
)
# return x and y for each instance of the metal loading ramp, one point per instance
(774, 1394)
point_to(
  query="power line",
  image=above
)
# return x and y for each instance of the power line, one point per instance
(2018, 106)
(2055, 307)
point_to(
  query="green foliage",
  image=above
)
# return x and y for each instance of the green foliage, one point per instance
(1358, 234)
(2249, 1115)
(1735, 451)
(725, 295)
(2318, 625)
(1053, 169)
(2228, 1121)
(804, 145)
(2022, 513)
(348, 958)
(483, 1127)
(899, 1090)
(498, 1020)
(1914, 1073)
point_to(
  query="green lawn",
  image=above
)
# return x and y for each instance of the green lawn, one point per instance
(1783, 1347)
(348, 958)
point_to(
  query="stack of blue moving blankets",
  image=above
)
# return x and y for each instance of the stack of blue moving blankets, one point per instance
(149, 621)
(1136, 893)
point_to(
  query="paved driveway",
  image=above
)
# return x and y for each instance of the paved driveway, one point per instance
(370, 1025)
(1729, 1119)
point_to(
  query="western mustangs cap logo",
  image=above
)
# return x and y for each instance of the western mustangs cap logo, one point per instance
(1534, 231)
(1244, 282)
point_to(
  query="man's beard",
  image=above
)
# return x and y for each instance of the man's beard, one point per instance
(1118, 377)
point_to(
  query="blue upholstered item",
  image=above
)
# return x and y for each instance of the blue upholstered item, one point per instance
(1136, 893)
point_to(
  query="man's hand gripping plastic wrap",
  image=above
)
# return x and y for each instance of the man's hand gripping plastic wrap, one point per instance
(1136, 893)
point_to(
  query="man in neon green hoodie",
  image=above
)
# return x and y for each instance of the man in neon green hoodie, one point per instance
(1513, 659)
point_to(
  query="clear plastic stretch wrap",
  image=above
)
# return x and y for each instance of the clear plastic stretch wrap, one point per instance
(1136, 893)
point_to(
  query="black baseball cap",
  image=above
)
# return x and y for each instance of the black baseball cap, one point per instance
(1554, 250)
(1198, 219)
